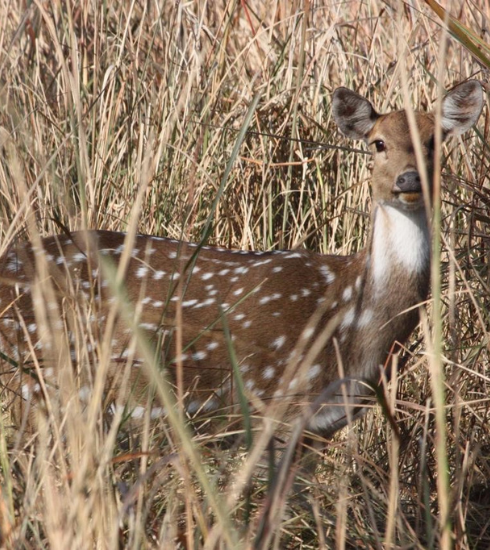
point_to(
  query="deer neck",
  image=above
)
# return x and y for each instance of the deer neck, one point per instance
(399, 251)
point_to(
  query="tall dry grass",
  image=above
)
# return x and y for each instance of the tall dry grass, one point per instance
(125, 115)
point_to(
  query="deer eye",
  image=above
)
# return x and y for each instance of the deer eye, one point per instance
(380, 145)
(431, 144)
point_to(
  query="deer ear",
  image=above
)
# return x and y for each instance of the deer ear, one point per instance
(353, 114)
(461, 107)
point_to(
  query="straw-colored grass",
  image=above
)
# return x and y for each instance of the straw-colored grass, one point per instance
(117, 115)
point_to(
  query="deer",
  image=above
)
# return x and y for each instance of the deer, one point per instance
(296, 321)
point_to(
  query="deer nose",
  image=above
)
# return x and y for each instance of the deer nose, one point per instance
(409, 182)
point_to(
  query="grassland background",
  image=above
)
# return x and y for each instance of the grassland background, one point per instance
(120, 111)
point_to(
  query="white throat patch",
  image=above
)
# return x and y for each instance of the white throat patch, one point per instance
(400, 237)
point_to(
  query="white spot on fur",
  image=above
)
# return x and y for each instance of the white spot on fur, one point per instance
(148, 326)
(157, 412)
(279, 342)
(193, 407)
(348, 319)
(138, 412)
(261, 262)
(210, 405)
(78, 257)
(141, 271)
(207, 302)
(327, 274)
(347, 294)
(269, 373)
(313, 372)
(365, 318)
(267, 299)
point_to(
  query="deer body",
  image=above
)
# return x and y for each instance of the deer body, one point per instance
(277, 305)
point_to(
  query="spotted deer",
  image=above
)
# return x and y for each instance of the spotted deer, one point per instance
(296, 320)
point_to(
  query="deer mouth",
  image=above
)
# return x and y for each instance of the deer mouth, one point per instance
(411, 200)
(408, 188)
(411, 196)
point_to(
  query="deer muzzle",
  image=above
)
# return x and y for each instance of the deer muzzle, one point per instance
(409, 186)
(408, 182)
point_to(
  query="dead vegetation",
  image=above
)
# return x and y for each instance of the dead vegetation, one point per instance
(128, 112)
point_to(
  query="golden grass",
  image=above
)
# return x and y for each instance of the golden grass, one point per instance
(125, 114)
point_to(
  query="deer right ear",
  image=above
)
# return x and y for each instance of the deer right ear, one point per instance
(353, 114)
(461, 107)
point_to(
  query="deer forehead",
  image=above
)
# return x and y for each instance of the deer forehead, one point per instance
(394, 129)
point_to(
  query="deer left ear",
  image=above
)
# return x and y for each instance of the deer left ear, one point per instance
(353, 114)
(461, 107)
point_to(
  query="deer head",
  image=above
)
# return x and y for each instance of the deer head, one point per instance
(396, 173)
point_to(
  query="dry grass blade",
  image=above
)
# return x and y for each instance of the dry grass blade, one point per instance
(464, 35)
(201, 121)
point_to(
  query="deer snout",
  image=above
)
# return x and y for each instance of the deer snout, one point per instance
(408, 182)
